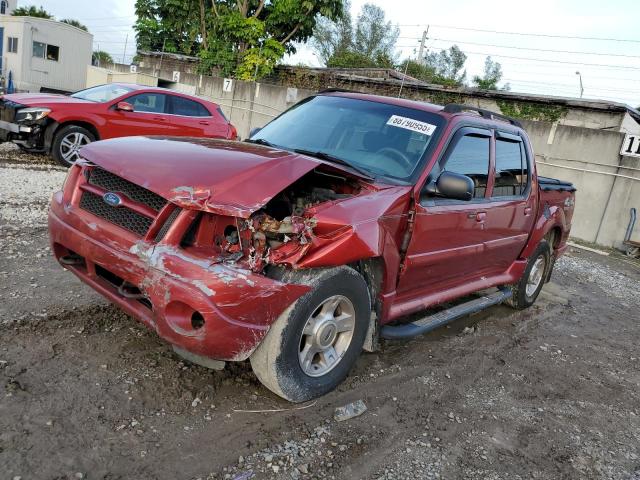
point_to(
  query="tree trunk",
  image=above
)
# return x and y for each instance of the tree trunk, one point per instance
(203, 26)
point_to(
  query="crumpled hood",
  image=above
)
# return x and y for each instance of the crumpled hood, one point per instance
(41, 99)
(224, 177)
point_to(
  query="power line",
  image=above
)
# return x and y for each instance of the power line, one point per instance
(624, 67)
(535, 49)
(526, 34)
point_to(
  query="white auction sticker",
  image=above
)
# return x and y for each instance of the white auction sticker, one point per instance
(411, 124)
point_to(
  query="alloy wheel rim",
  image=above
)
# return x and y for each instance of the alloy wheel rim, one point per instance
(71, 144)
(326, 336)
(535, 276)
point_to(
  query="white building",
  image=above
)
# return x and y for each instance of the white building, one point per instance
(42, 54)
(7, 6)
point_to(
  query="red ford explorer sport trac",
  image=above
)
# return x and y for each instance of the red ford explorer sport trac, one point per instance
(304, 245)
(60, 125)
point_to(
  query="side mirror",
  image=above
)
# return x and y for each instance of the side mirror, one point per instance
(124, 107)
(253, 131)
(451, 185)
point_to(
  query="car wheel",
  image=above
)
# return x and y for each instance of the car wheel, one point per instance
(67, 143)
(312, 346)
(526, 291)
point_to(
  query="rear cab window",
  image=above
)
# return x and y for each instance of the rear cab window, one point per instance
(512, 169)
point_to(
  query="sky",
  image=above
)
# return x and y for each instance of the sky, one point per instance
(539, 59)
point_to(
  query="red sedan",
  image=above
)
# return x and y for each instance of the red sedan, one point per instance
(60, 125)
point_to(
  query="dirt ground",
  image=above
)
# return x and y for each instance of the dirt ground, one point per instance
(87, 392)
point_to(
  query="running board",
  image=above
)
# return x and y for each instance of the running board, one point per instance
(427, 324)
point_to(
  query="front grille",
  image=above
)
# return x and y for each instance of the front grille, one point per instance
(167, 224)
(121, 216)
(113, 183)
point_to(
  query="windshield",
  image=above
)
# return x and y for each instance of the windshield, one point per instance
(103, 93)
(380, 139)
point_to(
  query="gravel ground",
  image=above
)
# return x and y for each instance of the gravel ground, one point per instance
(87, 392)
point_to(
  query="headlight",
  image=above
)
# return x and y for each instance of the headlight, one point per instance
(32, 114)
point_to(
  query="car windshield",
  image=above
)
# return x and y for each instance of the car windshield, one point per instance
(380, 139)
(103, 93)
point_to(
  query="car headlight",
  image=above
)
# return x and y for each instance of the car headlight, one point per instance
(32, 114)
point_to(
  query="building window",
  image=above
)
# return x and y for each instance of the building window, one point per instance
(53, 52)
(3, 7)
(42, 50)
(12, 45)
(38, 49)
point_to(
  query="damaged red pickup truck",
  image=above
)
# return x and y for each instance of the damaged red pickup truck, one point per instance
(305, 244)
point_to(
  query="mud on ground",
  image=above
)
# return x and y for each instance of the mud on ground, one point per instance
(87, 392)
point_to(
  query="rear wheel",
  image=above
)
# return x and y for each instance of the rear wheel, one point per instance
(68, 142)
(312, 346)
(526, 291)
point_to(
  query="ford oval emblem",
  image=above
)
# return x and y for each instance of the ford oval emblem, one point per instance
(112, 199)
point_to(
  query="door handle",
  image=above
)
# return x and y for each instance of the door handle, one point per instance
(204, 123)
(160, 119)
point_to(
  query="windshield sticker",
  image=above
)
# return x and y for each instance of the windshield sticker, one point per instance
(411, 124)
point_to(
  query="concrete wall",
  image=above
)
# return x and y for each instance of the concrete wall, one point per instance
(100, 76)
(590, 160)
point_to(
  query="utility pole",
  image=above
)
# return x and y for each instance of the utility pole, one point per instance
(125, 47)
(422, 45)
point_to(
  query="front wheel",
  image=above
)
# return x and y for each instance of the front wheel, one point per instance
(311, 347)
(526, 291)
(68, 142)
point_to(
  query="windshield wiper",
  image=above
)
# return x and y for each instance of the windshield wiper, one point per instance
(330, 158)
(262, 141)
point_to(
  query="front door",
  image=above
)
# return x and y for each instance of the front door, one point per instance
(149, 117)
(446, 248)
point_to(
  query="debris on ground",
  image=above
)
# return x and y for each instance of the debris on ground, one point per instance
(349, 411)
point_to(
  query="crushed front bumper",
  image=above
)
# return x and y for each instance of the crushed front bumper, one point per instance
(9, 131)
(216, 311)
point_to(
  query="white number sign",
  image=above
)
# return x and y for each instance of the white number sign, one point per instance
(631, 146)
(176, 76)
(227, 85)
(411, 124)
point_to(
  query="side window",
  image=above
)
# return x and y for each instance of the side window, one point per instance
(470, 157)
(512, 174)
(12, 44)
(39, 49)
(148, 102)
(187, 108)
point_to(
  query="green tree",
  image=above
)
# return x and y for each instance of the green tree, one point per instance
(101, 57)
(332, 38)
(31, 11)
(491, 77)
(74, 23)
(245, 38)
(448, 65)
(370, 44)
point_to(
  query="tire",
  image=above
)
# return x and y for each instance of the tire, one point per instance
(526, 291)
(67, 142)
(285, 361)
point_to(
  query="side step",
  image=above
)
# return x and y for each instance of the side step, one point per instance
(427, 324)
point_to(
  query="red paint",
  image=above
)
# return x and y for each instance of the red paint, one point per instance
(109, 122)
(451, 250)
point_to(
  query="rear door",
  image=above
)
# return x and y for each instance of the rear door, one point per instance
(193, 119)
(149, 116)
(449, 235)
(511, 215)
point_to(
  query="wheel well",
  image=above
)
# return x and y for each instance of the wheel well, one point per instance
(553, 237)
(78, 123)
(372, 269)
